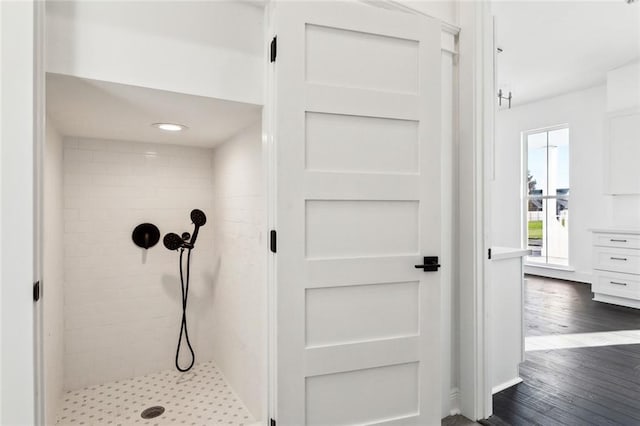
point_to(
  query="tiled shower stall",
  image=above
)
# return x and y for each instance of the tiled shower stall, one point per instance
(113, 310)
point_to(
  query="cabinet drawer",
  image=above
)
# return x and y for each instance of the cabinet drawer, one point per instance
(621, 285)
(617, 240)
(617, 260)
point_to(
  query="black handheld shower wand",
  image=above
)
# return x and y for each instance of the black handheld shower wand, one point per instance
(187, 241)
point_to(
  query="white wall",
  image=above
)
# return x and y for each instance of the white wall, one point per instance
(584, 112)
(123, 306)
(213, 49)
(240, 247)
(53, 272)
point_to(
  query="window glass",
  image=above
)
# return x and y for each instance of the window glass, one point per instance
(547, 191)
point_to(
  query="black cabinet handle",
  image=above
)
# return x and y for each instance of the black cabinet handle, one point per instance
(429, 264)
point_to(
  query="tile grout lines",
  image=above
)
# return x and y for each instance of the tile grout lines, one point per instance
(200, 397)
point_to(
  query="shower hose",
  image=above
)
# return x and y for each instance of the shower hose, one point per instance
(184, 285)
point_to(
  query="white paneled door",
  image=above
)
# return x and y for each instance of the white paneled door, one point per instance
(357, 146)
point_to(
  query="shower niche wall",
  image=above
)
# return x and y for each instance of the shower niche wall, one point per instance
(112, 310)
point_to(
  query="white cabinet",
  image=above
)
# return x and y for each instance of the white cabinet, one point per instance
(616, 265)
(622, 131)
(622, 152)
(623, 87)
(506, 316)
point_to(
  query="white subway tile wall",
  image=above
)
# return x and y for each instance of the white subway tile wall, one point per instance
(240, 246)
(122, 304)
(53, 273)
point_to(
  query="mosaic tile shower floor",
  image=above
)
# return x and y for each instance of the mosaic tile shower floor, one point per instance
(199, 397)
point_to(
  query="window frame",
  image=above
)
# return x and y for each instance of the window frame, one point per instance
(524, 145)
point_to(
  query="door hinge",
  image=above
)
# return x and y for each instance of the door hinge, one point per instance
(274, 49)
(272, 422)
(273, 241)
(489, 254)
(36, 291)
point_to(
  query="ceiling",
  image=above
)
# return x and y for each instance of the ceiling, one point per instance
(97, 109)
(551, 48)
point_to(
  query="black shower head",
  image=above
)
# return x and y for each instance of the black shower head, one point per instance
(198, 217)
(173, 241)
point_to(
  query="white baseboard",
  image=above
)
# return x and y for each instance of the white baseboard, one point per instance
(622, 301)
(505, 385)
(559, 273)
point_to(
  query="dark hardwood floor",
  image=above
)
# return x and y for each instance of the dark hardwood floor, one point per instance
(580, 386)
(564, 307)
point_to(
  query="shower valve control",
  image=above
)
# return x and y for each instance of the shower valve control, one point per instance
(146, 235)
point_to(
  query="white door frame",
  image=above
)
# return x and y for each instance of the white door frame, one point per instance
(39, 142)
(269, 164)
(476, 119)
(18, 222)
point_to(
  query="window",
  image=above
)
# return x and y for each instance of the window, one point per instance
(547, 195)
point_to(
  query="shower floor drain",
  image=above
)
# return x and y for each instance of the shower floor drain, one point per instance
(152, 412)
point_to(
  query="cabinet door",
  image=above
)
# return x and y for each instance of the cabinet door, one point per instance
(622, 152)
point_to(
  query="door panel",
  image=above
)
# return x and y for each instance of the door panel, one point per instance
(357, 52)
(335, 142)
(363, 396)
(354, 228)
(360, 313)
(357, 144)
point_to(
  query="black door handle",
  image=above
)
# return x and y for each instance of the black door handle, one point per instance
(430, 264)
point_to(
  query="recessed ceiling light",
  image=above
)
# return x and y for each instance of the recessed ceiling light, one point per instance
(170, 127)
